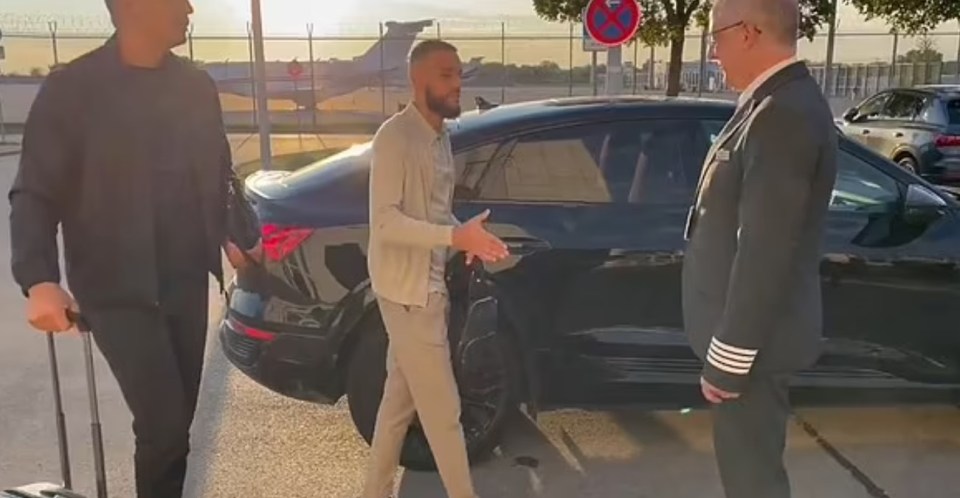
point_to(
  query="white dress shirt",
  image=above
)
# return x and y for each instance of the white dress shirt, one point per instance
(774, 69)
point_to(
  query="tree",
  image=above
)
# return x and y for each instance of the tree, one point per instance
(926, 52)
(910, 16)
(665, 22)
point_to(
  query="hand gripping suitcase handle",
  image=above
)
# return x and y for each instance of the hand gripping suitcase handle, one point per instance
(77, 319)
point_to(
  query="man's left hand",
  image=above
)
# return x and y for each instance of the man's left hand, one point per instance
(714, 394)
(236, 257)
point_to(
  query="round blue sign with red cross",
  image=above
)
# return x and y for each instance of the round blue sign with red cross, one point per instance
(612, 22)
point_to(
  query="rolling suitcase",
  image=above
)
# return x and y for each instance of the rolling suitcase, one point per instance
(49, 490)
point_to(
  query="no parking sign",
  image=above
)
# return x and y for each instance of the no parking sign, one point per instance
(612, 22)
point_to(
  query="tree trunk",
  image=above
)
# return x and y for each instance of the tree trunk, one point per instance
(676, 66)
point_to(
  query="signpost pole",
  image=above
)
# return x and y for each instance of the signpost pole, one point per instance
(615, 70)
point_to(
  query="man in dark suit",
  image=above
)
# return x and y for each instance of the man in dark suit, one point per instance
(751, 286)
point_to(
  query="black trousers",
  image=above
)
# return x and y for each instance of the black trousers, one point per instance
(156, 355)
(750, 435)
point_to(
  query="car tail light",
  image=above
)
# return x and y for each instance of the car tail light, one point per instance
(253, 333)
(947, 141)
(280, 241)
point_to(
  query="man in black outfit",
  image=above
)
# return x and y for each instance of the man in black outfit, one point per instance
(125, 148)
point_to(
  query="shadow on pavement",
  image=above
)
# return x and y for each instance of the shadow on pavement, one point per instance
(578, 454)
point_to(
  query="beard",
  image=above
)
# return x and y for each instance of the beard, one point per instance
(439, 106)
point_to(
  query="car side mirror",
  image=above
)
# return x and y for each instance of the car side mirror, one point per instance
(851, 115)
(921, 205)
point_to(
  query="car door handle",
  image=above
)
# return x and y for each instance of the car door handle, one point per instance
(898, 134)
(865, 132)
(525, 245)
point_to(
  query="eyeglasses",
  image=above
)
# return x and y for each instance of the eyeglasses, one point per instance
(712, 36)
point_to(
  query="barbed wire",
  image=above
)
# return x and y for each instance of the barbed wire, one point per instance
(40, 23)
(34, 25)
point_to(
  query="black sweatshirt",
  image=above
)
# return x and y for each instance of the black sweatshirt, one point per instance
(134, 165)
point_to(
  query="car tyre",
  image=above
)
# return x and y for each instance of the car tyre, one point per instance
(482, 424)
(907, 162)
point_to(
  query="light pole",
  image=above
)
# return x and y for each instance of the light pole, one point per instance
(260, 77)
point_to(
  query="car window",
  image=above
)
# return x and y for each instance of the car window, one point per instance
(953, 111)
(635, 162)
(860, 186)
(873, 106)
(903, 107)
(933, 112)
(560, 165)
(657, 161)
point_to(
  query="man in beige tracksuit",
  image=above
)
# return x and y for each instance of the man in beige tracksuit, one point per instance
(412, 228)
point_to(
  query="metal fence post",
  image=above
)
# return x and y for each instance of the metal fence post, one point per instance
(831, 47)
(957, 66)
(313, 79)
(383, 81)
(439, 35)
(52, 25)
(893, 59)
(653, 77)
(570, 91)
(190, 41)
(503, 61)
(703, 61)
(253, 82)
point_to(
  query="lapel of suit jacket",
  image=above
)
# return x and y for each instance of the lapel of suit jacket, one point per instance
(745, 111)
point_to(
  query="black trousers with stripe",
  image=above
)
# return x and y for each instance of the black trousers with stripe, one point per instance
(750, 435)
(156, 355)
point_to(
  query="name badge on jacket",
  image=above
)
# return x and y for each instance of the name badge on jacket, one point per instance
(723, 155)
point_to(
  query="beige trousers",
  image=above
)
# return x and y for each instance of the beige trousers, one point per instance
(420, 382)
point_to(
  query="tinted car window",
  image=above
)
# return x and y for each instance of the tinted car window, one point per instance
(903, 106)
(953, 111)
(874, 106)
(657, 161)
(561, 165)
(861, 187)
(636, 162)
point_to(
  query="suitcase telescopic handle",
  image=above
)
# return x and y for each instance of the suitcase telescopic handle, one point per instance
(98, 454)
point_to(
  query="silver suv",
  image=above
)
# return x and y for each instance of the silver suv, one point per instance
(918, 128)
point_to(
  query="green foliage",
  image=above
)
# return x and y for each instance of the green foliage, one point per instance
(910, 16)
(667, 20)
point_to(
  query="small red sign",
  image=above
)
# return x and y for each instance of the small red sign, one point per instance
(613, 22)
(295, 69)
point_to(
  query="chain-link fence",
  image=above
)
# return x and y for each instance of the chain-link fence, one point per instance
(505, 66)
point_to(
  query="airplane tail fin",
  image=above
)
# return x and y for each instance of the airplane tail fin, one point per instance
(391, 52)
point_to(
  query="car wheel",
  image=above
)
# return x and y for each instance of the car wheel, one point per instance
(487, 396)
(907, 162)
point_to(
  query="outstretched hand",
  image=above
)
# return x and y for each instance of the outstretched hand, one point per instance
(474, 239)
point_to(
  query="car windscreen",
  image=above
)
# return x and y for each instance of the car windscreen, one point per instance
(953, 111)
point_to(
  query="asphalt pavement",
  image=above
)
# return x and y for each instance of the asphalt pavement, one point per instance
(249, 442)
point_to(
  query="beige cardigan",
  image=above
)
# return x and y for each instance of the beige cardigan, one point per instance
(401, 240)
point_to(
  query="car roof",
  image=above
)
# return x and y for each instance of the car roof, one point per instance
(475, 125)
(942, 90)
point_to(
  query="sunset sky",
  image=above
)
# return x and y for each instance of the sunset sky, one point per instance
(333, 18)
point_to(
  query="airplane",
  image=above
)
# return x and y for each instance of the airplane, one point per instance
(386, 59)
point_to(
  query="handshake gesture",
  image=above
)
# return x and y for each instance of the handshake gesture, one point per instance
(473, 239)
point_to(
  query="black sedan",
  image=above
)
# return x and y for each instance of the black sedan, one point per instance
(591, 196)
